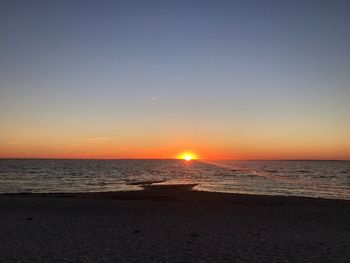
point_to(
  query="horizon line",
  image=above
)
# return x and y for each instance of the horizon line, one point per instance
(199, 159)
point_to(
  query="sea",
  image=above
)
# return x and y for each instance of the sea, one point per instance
(324, 179)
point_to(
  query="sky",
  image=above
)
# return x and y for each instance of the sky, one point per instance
(152, 79)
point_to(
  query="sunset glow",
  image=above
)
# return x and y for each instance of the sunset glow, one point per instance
(187, 156)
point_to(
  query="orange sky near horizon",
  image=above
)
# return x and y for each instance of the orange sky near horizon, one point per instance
(113, 148)
(154, 141)
(166, 140)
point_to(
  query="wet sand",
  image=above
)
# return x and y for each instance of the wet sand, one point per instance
(172, 226)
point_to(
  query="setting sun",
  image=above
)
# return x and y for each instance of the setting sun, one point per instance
(187, 156)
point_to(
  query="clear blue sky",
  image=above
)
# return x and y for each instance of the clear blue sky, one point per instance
(234, 76)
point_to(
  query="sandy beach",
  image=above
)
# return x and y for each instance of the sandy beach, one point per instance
(172, 226)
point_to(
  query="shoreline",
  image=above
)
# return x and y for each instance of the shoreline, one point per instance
(190, 196)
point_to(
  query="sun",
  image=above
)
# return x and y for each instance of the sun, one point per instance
(187, 156)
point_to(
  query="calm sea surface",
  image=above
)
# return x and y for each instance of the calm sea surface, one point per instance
(329, 179)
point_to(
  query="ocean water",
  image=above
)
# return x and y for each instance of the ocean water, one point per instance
(327, 179)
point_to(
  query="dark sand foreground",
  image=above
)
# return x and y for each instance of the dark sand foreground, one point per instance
(172, 226)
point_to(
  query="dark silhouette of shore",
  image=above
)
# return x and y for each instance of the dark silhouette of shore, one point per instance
(172, 226)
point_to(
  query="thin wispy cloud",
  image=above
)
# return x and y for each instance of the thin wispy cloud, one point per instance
(100, 139)
(13, 143)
